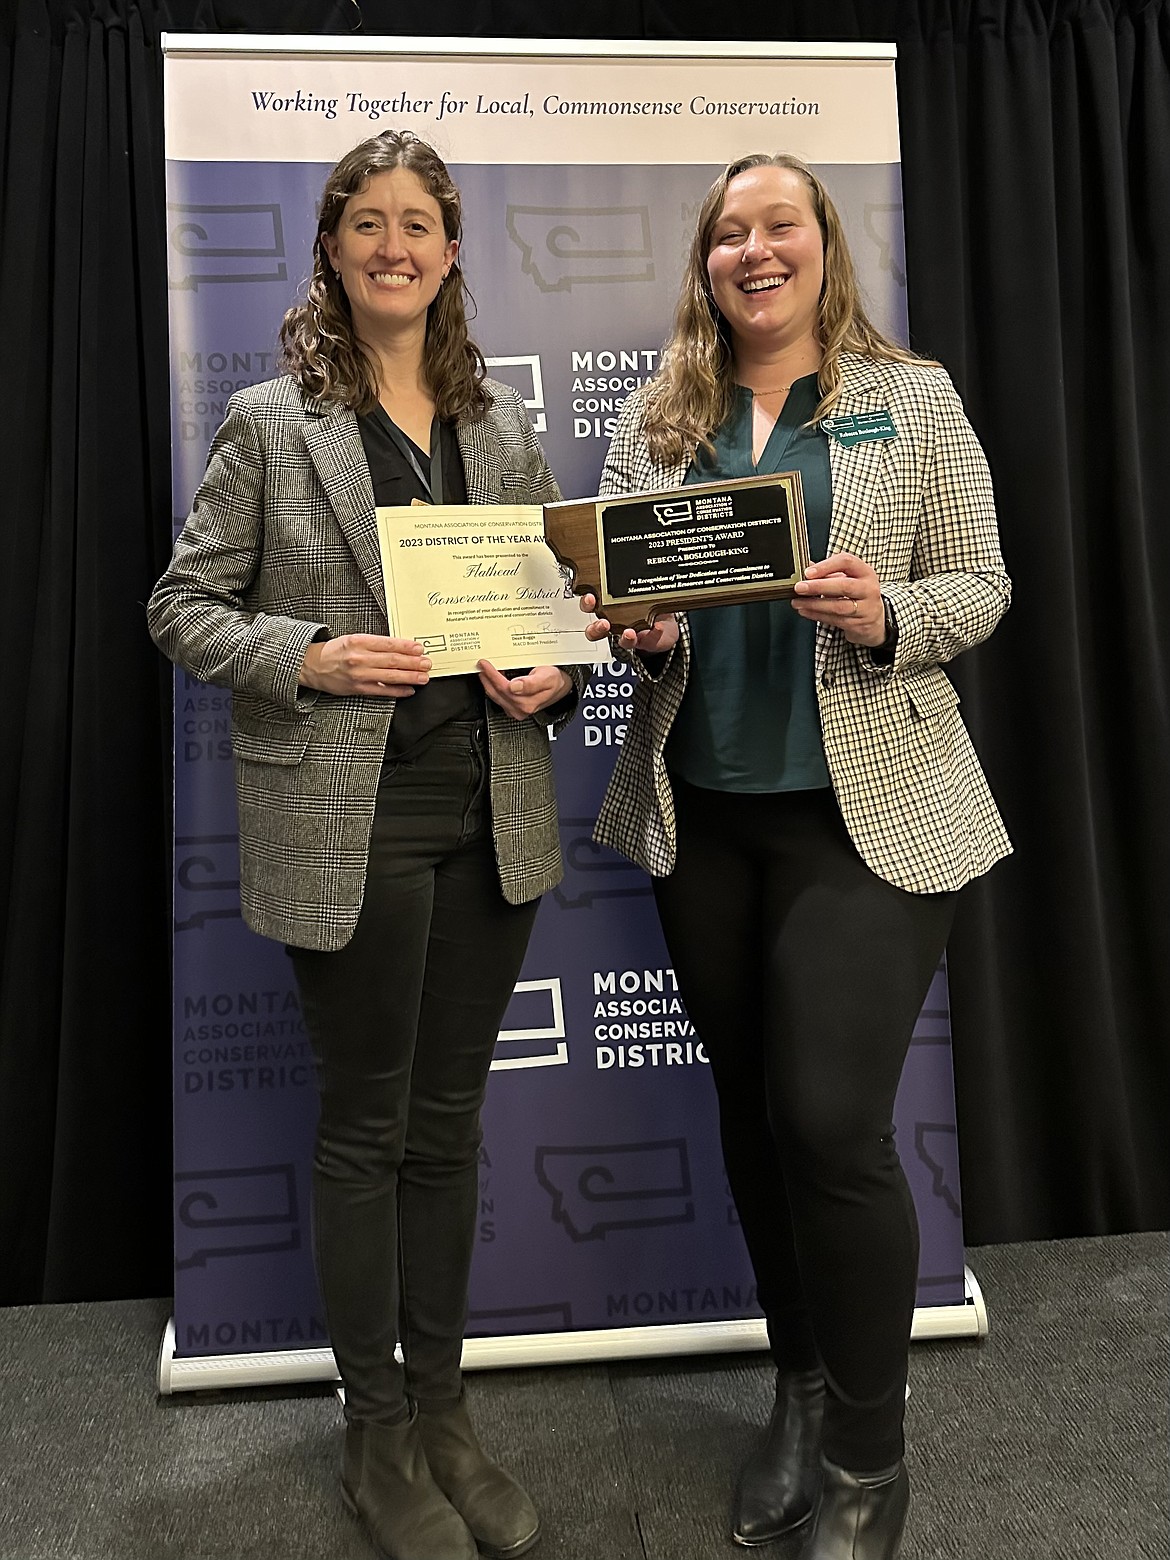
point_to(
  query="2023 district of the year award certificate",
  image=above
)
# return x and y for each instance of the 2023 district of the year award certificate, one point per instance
(477, 582)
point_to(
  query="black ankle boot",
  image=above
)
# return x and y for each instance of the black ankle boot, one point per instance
(500, 1515)
(386, 1482)
(860, 1516)
(778, 1485)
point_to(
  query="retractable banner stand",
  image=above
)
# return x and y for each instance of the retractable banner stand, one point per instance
(605, 1225)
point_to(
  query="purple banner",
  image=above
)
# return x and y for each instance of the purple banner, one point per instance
(603, 1200)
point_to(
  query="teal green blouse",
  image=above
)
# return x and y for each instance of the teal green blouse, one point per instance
(749, 720)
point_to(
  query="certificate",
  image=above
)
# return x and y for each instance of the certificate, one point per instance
(477, 582)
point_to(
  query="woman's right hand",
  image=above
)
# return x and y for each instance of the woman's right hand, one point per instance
(372, 664)
(655, 640)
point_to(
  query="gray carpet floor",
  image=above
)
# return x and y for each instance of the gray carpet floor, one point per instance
(1048, 1439)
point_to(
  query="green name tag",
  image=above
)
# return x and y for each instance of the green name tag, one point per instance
(861, 428)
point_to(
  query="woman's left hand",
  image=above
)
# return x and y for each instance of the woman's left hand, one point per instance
(522, 696)
(845, 593)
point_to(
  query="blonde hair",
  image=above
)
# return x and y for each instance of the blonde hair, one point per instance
(692, 393)
(319, 347)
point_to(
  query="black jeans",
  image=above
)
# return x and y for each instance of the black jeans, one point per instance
(804, 973)
(403, 1021)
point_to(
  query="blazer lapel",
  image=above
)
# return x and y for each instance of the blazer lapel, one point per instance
(858, 472)
(481, 459)
(335, 448)
(674, 476)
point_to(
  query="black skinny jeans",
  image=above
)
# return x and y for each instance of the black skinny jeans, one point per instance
(403, 1021)
(803, 973)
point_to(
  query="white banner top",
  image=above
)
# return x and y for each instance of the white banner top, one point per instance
(523, 101)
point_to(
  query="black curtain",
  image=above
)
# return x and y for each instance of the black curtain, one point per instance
(84, 1116)
(1036, 158)
(1037, 176)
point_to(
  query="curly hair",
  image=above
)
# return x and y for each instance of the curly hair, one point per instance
(319, 347)
(692, 393)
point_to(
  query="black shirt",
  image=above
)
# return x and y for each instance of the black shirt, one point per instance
(394, 482)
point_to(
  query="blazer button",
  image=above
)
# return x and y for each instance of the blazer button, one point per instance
(826, 679)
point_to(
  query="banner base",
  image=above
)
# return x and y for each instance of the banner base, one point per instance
(293, 1367)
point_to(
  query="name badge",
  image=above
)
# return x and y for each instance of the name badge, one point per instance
(860, 428)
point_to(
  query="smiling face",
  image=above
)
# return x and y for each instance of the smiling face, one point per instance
(765, 260)
(392, 252)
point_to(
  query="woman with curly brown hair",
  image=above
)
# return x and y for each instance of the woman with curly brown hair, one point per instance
(396, 833)
(798, 781)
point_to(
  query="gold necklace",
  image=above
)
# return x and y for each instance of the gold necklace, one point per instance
(779, 390)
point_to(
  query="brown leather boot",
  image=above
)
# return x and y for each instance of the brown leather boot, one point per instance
(500, 1515)
(386, 1482)
(778, 1486)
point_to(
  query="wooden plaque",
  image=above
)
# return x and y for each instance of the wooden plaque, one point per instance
(712, 544)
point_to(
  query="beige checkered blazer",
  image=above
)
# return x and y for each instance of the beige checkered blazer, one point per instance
(281, 543)
(919, 509)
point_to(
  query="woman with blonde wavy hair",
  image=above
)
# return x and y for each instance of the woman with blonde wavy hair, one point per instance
(695, 390)
(396, 832)
(798, 782)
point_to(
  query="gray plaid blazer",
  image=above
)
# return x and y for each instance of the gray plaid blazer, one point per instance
(919, 509)
(280, 548)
